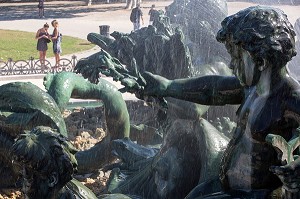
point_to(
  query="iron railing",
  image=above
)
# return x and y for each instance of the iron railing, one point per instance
(32, 66)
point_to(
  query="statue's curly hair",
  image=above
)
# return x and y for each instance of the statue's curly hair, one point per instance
(43, 151)
(264, 32)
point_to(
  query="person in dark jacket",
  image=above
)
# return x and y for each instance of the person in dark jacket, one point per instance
(136, 17)
(41, 8)
(153, 13)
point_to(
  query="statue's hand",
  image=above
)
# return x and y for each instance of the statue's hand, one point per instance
(289, 175)
(147, 84)
(148, 87)
(156, 85)
(130, 85)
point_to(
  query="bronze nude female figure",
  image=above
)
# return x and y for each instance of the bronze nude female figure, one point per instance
(260, 41)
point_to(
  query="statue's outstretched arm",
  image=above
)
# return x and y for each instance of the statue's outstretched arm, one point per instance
(208, 90)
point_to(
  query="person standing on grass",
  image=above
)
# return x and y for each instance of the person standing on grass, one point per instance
(136, 17)
(43, 38)
(41, 9)
(56, 39)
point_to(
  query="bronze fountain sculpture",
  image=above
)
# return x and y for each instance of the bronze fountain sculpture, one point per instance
(64, 85)
(48, 163)
(259, 160)
(260, 41)
(23, 106)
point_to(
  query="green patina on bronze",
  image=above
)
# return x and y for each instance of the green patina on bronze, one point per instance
(62, 86)
(191, 149)
(289, 171)
(284, 149)
(24, 106)
(48, 164)
(260, 41)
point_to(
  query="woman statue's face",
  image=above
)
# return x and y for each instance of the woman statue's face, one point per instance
(242, 65)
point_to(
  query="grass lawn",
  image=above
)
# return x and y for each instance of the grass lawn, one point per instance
(20, 45)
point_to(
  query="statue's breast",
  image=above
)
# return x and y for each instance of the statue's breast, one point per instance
(263, 115)
(248, 161)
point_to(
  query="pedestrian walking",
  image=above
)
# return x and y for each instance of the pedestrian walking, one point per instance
(136, 17)
(41, 9)
(153, 14)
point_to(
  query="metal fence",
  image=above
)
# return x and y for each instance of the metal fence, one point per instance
(32, 66)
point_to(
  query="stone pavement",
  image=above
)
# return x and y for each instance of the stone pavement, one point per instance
(75, 18)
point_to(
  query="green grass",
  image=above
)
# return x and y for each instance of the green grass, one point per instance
(20, 45)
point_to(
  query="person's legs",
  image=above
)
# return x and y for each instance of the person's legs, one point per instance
(56, 51)
(57, 58)
(41, 12)
(138, 25)
(135, 27)
(44, 57)
(41, 57)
